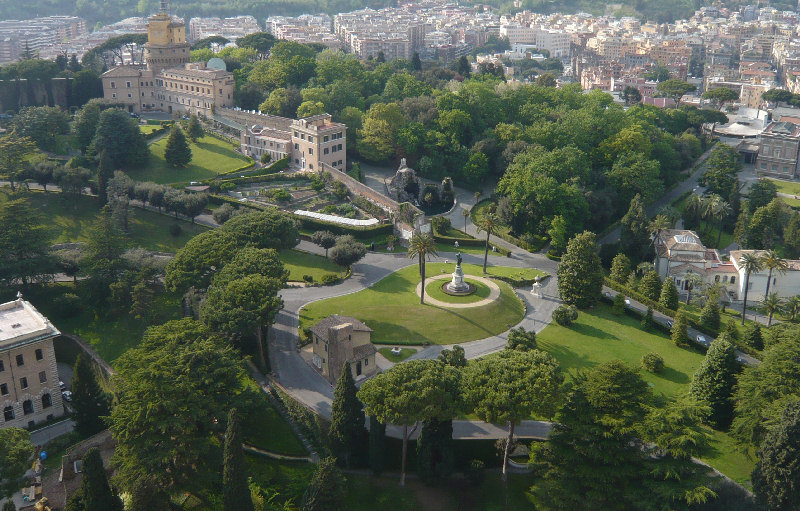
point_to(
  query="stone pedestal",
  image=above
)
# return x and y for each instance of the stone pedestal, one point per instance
(457, 285)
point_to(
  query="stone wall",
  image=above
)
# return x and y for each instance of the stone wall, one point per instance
(363, 190)
(15, 94)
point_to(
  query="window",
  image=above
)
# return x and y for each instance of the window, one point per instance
(326, 347)
(310, 138)
(8, 413)
(42, 376)
(20, 360)
(733, 280)
(302, 136)
(128, 85)
(310, 150)
(2, 366)
(114, 95)
(113, 85)
(27, 407)
(39, 354)
(366, 362)
(340, 147)
(130, 95)
(4, 389)
(296, 145)
(716, 278)
(23, 382)
(325, 151)
(47, 401)
(325, 138)
(311, 166)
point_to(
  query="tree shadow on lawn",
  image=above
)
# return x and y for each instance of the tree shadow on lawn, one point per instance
(392, 332)
(471, 322)
(591, 331)
(674, 375)
(213, 148)
(567, 358)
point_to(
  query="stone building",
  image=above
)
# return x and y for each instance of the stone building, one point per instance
(779, 151)
(29, 388)
(339, 339)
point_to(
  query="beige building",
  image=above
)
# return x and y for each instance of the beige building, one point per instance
(169, 82)
(29, 389)
(779, 151)
(339, 339)
(313, 143)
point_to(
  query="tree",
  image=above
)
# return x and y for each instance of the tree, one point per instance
(454, 357)
(416, 63)
(326, 490)
(347, 251)
(580, 274)
(244, 305)
(42, 124)
(13, 152)
(194, 128)
(631, 95)
(325, 239)
(693, 281)
(16, 452)
(771, 304)
(104, 248)
(464, 68)
(42, 173)
(546, 80)
(170, 389)
(761, 193)
(95, 492)
(235, 488)
(559, 235)
(510, 386)
(650, 285)
(620, 268)
(774, 263)
(679, 333)
(177, 152)
(421, 246)
(647, 320)
(775, 477)
(377, 444)
(669, 294)
(713, 382)
(24, 244)
(752, 336)
(634, 173)
(347, 417)
(196, 263)
(674, 88)
(489, 223)
(88, 399)
(751, 264)
(465, 214)
(262, 42)
(634, 237)
(521, 340)
(720, 96)
(709, 314)
(252, 261)
(411, 392)
(120, 137)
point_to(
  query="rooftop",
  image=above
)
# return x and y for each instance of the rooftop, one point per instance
(335, 320)
(20, 322)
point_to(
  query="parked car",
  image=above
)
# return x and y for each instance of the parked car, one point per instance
(669, 323)
(702, 340)
(67, 395)
(62, 385)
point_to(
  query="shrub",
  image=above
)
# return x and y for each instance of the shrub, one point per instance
(753, 337)
(441, 224)
(709, 315)
(620, 268)
(652, 362)
(647, 320)
(619, 305)
(329, 279)
(175, 230)
(308, 278)
(223, 213)
(564, 315)
(68, 304)
(474, 472)
(282, 195)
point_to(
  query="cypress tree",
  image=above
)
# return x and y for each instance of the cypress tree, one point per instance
(416, 63)
(435, 450)
(709, 314)
(194, 129)
(620, 268)
(177, 152)
(776, 478)
(714, 380)
(647, 320)
(97, 494)
(669, 294)
(347, 417)
(634, 236)
(105, 171)
(619, 304)
(377, 445)
(752, 336)
(236, 490)
(680, 329)
(88, 399)
(650, 286)
(326, 490)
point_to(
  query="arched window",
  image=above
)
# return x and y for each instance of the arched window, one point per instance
(716, 278)
(47, 401)
(27, 407)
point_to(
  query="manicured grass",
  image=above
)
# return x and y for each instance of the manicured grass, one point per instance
(790, 187)
(479, 210)
(434, 289)
(265, 428)
(599, 336)
(447, 248)
(793, 203)
(287, 479)
(146, 129)
(452, 232)
(69, 221)
(210, 157)
(392, 309)
(302, 263)
(391, 357)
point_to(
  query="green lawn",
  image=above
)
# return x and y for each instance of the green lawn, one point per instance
(392, 309)
(263, 427)
(210, 157)
(302, 263)
(790, 187)
(146, 129)
(445, 248)
(599, 336)
(69, 221)
(434, 289)
(793, 203)
(391, 357)
(479, 209)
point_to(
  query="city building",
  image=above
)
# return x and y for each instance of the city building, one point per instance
(168, 82)
(37, 35)
(229, 28)
(29, 386)
(339, 339)
(779, 151)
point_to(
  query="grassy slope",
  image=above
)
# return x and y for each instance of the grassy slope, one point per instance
(599, 336)
(70, 221)
(210, 157)
(392, 309)
(263, 426)
(302, 263)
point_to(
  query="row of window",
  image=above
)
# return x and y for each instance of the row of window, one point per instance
(333, 149)
(21, 359)
(27, 407)
(786, 169)
(23, 383)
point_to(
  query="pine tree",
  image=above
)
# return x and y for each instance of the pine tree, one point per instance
(753, 337)
(669, 294)
(713, 382)
(236, 490)
(96, 493)
(619, 304)
(88, 399)
(620, 268)
(647, 320)
(709, 314)
(347, 417)
(177, 152)
(731, 332)
(377, 445)
(634, 237)
(777, 472)
(326, 490)
(194, 129)
(580, 274)
(680, 329)
(105, 171)
(650, 286)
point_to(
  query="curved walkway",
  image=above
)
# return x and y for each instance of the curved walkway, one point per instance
(494, 293)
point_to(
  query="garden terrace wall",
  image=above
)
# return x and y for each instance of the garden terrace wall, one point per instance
(362, 190)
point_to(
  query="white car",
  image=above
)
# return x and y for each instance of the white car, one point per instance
(702, 340)
(61, 385)
(67, 395)
(627, 302)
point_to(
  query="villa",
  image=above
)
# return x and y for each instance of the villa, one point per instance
(339, 339)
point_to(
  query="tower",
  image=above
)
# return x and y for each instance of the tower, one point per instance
(166, 45)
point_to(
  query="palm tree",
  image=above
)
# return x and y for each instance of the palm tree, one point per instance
(693, 281)
(792, 307)
(694, 206)
(751, 263)
(465, 214)
(721, 211)
(488, 224)
(421, 246)
(771, 305)
(660, 223)
(707, 205)
(772, 262)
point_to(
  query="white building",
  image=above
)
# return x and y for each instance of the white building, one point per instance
(518, 34)
(786, 284)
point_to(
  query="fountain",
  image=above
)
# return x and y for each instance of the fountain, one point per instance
(457, 286)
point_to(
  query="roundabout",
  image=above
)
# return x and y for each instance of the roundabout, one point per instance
(485, 292)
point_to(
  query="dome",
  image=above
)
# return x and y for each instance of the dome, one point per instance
(217, 63)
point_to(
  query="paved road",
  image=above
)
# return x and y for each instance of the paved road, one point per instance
(44, 435)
